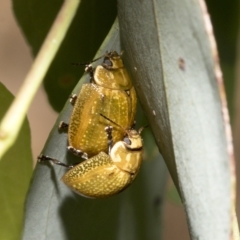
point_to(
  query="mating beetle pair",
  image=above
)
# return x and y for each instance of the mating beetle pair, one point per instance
(109, 99)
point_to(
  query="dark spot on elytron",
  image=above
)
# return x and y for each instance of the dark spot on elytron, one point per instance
(110, 174)
(181, 64)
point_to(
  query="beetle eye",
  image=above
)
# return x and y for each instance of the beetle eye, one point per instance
(107, 62)
(127, 141)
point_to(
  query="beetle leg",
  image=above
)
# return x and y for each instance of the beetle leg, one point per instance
(98, 90)
(108, 130)
(128, 92)
(62, 126)
(44, 158)
(73, 98)
(77, 152)
(134, 124)
(89, 69)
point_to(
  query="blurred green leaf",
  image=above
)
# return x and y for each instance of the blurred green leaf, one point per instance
(91, 24)
(15, 174)
(225, 20)
(173, 195)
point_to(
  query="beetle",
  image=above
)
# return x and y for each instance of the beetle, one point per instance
(104, 175)
(111, 93)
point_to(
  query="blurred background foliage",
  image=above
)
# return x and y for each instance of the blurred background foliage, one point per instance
(225, 19)
(90, 26)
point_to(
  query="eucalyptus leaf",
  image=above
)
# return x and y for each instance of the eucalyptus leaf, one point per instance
(55, 212)
(168, 52)
(15, 174)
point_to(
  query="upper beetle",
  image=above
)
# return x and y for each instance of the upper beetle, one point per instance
(109, 93)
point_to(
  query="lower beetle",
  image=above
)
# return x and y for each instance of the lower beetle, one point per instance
(104, 174)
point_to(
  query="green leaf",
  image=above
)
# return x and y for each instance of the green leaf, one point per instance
(173, 195)
(55, 212)
(15, 173)
(168, 52)
(91, 24)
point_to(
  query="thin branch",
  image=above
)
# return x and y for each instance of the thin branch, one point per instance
(12, 121)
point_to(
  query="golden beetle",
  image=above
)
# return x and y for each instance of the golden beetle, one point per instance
(106, 174)
(110, 92)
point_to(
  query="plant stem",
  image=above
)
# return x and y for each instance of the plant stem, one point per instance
(13, 119)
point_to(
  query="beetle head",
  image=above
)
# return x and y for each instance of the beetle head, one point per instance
(112, 74)
(133, 140)
(112, 60)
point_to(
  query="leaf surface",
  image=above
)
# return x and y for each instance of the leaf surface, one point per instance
(168, 52)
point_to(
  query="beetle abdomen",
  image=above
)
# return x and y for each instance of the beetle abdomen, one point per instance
(97, 177)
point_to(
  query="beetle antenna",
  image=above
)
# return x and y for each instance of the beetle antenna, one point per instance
(108, 130)
(142, 128)
(112, 122)
(88, 63)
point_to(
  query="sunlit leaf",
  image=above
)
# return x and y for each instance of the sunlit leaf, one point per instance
(15, 174)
